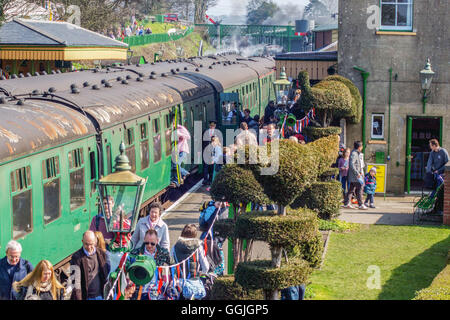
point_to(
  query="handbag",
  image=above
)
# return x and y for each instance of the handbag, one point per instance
(193, 289)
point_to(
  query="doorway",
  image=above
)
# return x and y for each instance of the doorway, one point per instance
(419, 132)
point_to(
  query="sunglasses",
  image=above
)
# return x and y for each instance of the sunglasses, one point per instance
(150, 243)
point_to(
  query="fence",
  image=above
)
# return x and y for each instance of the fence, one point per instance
(156, 38)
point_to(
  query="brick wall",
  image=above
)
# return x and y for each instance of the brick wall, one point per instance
(447, 197)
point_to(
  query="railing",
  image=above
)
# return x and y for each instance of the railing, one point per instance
(250, 30)
(156, 38)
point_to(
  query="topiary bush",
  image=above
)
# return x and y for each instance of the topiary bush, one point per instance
(237, 185)
(284, 231)
(356, 113)
(314, 133)
(297, 169)
(322, 197)
(308, 250)
(329, 174)
(326, 151)
(260, 274)
(225, 228)
(226, 288)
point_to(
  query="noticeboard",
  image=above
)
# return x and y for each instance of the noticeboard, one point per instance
(380, 175)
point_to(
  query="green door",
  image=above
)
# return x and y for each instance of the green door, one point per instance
(408, 154)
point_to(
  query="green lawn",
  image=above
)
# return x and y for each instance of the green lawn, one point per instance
(408, 257)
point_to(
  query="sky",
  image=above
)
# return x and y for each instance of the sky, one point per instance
(238, 7)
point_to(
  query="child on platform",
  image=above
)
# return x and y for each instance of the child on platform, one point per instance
(370, 186)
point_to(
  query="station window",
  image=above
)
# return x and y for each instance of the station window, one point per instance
(396, 14)
(168, 134)
(76, 177)
(156, 141)
(21, 202)
(52, 189)
(145, 150)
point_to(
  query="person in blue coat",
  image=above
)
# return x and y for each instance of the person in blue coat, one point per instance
(12, 268)
(369, 187)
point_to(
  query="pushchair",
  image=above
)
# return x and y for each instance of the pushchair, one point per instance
(424, 209)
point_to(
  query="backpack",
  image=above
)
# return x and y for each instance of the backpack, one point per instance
(207, 217)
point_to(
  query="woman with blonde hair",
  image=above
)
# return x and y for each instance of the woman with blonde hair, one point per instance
(40, 284)
(100, 240)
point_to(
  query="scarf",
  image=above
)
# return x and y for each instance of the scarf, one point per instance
(32, 290)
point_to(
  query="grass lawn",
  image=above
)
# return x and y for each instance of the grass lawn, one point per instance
(408, 257)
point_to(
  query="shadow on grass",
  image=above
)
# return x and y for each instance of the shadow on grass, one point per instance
(416, 274)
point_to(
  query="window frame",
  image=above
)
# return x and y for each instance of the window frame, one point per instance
(142, 140)
(373, 136)
(17, 191)
(73, 169)
(48, 179)
(155, 133)
(409, 4)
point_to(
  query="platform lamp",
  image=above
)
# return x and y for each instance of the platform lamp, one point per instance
(121, 196)
(281, 85)
(426, 76)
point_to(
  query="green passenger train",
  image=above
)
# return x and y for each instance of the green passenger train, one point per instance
(60, 132)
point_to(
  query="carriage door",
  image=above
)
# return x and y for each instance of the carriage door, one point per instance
(229, 110)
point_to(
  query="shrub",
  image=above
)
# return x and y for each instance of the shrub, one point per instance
(439, 288)
(314, 133)
(297, 168)
(260, 275)
(226, 288)
(322, 197)
(224, 228)
(277, 230)
(329, 174)
(338, 225)
(310, 250)
(326, 151)
(237, 185)
(356, 113)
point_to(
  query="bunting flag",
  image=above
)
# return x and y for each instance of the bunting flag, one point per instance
(195, 261)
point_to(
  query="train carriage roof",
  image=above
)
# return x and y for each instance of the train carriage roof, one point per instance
(38, 125)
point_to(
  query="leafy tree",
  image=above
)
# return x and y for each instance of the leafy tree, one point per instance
(260, 10)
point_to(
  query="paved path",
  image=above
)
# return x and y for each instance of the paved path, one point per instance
(392, 211)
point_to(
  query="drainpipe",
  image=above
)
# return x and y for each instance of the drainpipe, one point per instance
(389, 123)
(364, 75)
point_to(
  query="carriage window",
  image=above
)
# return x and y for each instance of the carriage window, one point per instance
(108, 159)
(130, 152)
(205, 116)
(76, 176)
(145, 151)
(21, 202)
(145, 155)
(156, 141)
(129, 136)
(52, 189)
(168, 136)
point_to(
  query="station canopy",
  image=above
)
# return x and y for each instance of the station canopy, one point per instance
(24, 39)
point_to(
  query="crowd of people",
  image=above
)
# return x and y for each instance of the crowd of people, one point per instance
(134, 29)
(93, 263)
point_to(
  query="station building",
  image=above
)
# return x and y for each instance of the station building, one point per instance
(30, 46)
(389, 46)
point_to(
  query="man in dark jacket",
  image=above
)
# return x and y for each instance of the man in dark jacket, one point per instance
(436, 164)
(12, 268)
(91, 270)
(269, 112)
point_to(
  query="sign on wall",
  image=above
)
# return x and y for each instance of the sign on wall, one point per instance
(380, 176)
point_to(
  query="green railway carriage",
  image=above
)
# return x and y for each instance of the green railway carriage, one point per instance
(65, 132)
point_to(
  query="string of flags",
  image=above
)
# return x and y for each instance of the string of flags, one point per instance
(302, 123)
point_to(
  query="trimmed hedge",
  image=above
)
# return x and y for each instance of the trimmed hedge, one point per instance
(315, 133)
(237, 185)
(297, 168)
(260, 275)
(276, 230)
(321, 197)
(439, 288)
(226, 288)
(310, 250)
(328, 174)
(224, 228)
(356, 113)
(326, 150)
